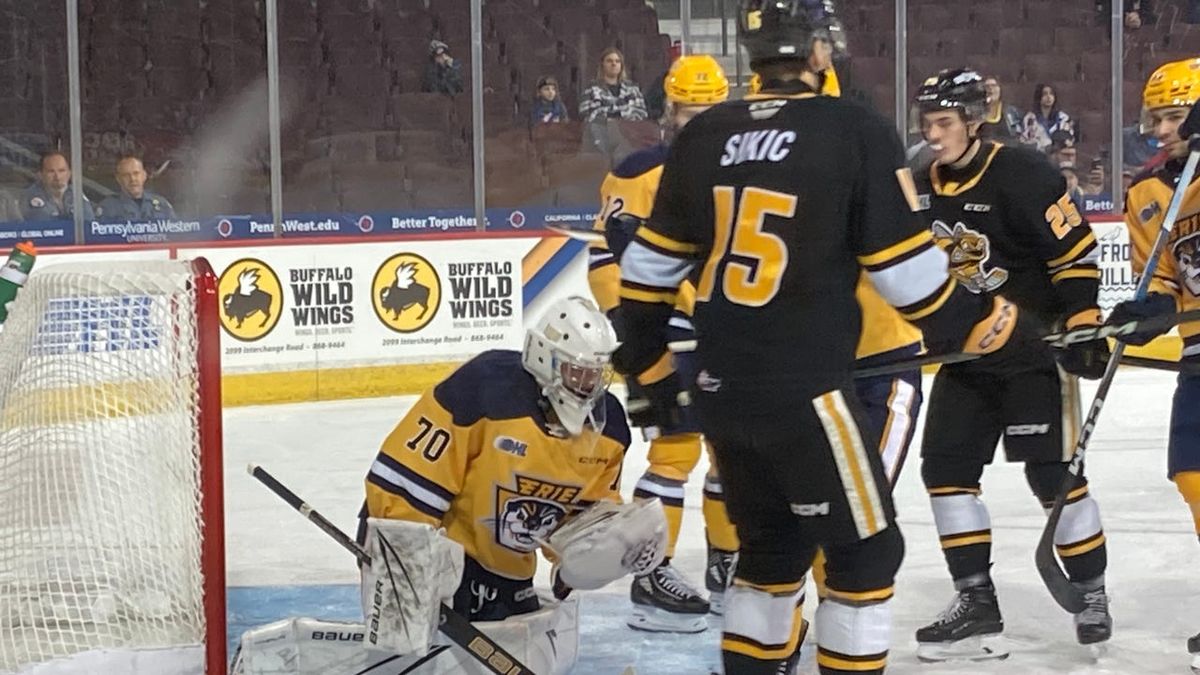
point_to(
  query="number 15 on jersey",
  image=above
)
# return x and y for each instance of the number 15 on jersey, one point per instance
(739, 236)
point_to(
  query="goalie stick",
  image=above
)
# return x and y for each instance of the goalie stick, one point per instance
(1065, 594)
(454, 625)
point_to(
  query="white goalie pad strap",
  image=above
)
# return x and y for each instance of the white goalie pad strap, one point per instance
(414, 568)
(547, 641)
(608, 541)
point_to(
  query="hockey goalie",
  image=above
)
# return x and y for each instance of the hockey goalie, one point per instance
(512, 454)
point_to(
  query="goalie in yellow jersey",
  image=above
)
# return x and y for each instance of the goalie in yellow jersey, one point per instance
(663, 601)
(501, 453)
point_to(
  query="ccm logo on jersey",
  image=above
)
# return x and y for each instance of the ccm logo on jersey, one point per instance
(977, 208)
(810, 510)
(770, 145)
(1027, 429)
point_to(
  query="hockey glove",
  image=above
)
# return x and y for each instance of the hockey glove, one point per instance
(1154, 304)
(619, 230)
(661, 404)
(1084, 359)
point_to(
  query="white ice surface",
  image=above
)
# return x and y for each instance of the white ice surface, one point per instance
(323, 450)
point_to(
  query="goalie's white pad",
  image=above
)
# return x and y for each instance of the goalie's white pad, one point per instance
(414, 568)
(608, 541)
(547, 641)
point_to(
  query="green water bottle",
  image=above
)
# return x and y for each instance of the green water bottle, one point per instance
(14, 273)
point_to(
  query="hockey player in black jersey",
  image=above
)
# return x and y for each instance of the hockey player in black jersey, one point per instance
(1004, 217)
(773, 205)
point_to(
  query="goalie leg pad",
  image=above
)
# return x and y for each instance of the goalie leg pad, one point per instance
(547, 641)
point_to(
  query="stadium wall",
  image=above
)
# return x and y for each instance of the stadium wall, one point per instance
(335, 319)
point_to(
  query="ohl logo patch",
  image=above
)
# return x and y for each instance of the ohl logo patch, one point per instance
(406, 292)
(251, 299)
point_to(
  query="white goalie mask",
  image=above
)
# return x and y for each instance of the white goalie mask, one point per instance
(568, 352)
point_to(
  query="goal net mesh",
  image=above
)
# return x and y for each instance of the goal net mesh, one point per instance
(100, 495)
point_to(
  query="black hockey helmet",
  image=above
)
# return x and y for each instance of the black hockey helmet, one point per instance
(773, 30)
(958, 89)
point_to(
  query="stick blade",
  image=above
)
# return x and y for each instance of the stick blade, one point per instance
(590, 236)
(1064, 593)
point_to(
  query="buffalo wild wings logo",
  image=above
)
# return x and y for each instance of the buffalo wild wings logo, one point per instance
(251, 299)
(969, 252)
(406, 292)
(529, 514)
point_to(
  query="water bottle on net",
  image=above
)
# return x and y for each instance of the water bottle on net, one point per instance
(14, 273)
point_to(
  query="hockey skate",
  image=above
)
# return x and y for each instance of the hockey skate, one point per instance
(664, 602)
(1194, 650)
(716, 578)
(1094, 624)
(969, 629)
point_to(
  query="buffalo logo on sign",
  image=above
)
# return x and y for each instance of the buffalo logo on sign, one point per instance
(251, 299)
(406, 292)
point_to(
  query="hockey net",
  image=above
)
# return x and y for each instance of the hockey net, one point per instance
(111, 553)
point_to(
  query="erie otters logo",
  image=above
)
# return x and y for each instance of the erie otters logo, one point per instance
(251, 299)
(406, 292)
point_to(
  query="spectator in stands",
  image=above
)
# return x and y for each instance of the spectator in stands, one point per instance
(1073, 189)
(1003, 122)
(1097, 183)
(51, 198)
(134, 202)
(443, 75)
(1039, 124)
(548, 108)
(612, 95)
(1062, 150)
(1138, 13)
(1138, 148)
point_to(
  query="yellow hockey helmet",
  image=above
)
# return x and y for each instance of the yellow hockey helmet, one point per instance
(755, 85)
(830, 86)
(696, 79)
(1173, 84)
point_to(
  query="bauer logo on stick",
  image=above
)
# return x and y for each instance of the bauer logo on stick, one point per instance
(406, 292)
(251, 299)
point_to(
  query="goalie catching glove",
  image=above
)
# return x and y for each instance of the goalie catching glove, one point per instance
(607, 542)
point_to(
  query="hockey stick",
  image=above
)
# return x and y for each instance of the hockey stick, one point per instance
(1119, 330)
(1068, 596)
(1160, 364)
(589, 235)
(913, 363)
(455, 626)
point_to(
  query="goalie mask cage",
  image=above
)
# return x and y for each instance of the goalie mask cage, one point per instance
(111, 529)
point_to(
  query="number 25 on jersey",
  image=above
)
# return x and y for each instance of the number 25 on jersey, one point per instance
(739, 237)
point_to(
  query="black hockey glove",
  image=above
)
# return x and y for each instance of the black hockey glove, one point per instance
(1191, 125)
(1154, 304)
(619, 231)
(662, 404)
(1084, 359)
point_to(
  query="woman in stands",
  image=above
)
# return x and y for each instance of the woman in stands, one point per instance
(1045, 119)
(612, 95)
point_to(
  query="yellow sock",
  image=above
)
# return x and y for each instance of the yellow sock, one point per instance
(721, 532)
(672, 458)
(818, 572)
(1188, 484)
